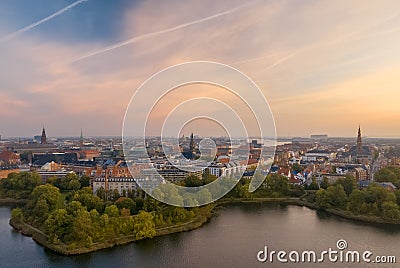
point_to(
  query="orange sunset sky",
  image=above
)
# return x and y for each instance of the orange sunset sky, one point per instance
(323, 66)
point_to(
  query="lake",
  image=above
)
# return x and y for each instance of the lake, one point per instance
(232, 238)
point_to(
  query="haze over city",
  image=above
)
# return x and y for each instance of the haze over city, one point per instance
(324, 66)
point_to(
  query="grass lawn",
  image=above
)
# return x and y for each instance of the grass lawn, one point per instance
(61, 200)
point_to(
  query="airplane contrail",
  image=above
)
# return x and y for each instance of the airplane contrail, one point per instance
(149, 35)
(35, 24)
(280, 61)
(271, 66)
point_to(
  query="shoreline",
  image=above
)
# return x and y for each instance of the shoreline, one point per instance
(302, 203)
(12, 202)
(41, 238)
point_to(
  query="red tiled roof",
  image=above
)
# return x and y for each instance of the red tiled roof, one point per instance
(6, 155)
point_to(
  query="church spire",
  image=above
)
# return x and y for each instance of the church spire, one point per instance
(191, 147)
(43, 139)
(81, 140)
(359, 140)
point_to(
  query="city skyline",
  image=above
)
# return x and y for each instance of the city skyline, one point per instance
(196, 132)
(76, 64)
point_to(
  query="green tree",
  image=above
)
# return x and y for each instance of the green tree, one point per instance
(151, 204)
(277, 185)
(324, 183)
(397, 193)
(389, 174)
(115, 195)
(57, 225)
(81, 228)
(127, 203)
(19, 185)
(296, 190)
(313, 185)
(390, 197)
(17, 213)
(189, 200)
(322, 199)
(390, 211)
(349, 183)
(375, 194)
(44, 199)
(87, 199)
(84, 181)
(243, 190)
(215, 189)
(207, 177)
(74, 185)
(356, 201)
(203, 196)
(144, 226)
(193, 181)
(112, 211)
(101, 193)
(171, 194)
(337, 196)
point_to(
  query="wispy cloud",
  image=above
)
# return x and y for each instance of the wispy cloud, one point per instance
(153, 34)
(35, 24)
(345, 66)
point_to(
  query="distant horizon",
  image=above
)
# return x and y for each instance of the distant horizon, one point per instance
(150, 136)
(79, 67)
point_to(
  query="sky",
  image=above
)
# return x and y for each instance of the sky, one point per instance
(324, 67)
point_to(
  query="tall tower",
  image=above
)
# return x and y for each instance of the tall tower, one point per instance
(43, 139)
(359, 140)
(81, 140)
(191, 146)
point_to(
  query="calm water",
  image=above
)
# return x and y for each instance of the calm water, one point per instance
(231, 239)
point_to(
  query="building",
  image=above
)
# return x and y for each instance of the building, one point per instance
(226, 169)
(319, 137)
(10, 158)
(122, 184)
(361, 174)
(29, 147)
(88, 154)
(190, 152)
(33, 146)
(52, 169)
(175, 174)
(39, 159)
(386, 185)
(358, 153)
(317, 156)
(43, 139)
(81, 140)
(45, 175)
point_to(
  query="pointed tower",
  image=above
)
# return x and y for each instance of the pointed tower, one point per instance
(81, 140)
(43, 140)
(191, 146)
(359, 140)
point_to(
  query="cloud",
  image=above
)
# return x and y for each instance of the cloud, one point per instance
(36, 24)
(314, 61)
(161, 32)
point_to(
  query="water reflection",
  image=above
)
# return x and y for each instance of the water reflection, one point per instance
(231, 239)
